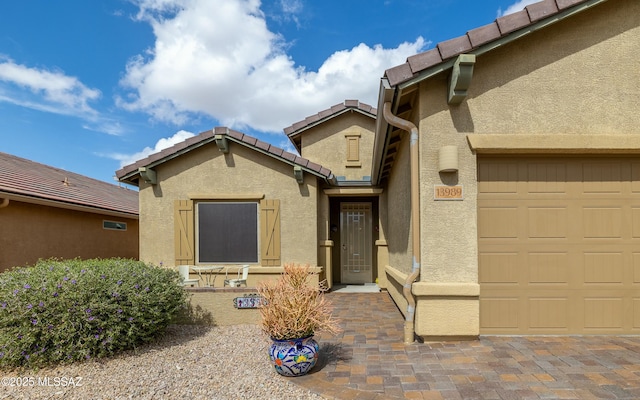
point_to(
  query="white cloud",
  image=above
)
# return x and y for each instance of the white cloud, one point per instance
(286, 145)
(515, 7)
(53, 92)
(43, 90)
(291, 9)
(220, 59)
(104, 125)
(163, 143)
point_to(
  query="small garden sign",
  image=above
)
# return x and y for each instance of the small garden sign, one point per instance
(248, 301)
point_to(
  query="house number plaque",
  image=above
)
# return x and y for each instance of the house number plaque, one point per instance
(444, 192)
(248, 301)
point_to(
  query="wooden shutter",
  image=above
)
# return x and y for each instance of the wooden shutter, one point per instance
(183, 221)
(353, 148)
(270, 232)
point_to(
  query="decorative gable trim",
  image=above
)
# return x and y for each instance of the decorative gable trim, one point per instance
(460, 78)
(148, 175)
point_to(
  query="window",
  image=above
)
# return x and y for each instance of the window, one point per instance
(114, 225)
(227, 232)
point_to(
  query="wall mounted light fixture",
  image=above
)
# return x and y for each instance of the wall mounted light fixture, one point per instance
(448, 159)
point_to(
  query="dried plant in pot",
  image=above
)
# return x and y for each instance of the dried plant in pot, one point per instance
(294, 310)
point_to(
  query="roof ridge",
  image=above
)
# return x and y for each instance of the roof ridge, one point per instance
(329, 112)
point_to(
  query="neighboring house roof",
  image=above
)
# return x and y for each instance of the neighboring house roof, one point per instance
(131, 173)
(30, 181)
(294, 131)
(397, 87)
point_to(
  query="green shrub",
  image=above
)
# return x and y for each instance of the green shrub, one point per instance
(62, 311)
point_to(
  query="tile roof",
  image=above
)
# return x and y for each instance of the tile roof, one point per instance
(478, 37)
(129, 173)
(330, 113)
(25, 178)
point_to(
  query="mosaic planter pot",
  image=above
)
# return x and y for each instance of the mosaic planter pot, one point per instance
(294, 357)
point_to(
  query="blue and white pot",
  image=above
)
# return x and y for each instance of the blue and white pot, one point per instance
(294, 357)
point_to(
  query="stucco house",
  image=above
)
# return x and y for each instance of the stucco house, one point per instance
(226, 198)
(49, 212)
(495, 188)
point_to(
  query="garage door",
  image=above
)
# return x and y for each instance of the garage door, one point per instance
(559, 245)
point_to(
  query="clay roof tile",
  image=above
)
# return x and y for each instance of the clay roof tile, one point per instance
(30, 179)
(400, 73)
(484, 34)
(452, 47)
(541, 10)
(513, 22)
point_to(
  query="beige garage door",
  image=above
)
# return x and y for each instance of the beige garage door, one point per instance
(559, 245)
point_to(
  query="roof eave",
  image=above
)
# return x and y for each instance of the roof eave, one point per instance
(503, 40)
(31, 199)
(133, 177)
(386, 94)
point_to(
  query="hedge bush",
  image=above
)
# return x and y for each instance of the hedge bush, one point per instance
(63, 311)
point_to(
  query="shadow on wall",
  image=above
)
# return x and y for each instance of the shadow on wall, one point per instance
(397, 223)
(194, 315)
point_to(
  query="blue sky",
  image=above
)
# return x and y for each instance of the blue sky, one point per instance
(91, 86)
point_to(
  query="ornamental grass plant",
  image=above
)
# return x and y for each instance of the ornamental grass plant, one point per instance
(62, 311)
(293, 308)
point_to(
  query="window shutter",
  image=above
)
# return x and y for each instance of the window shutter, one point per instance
(270, 232)
(353, 151)
(183, 232)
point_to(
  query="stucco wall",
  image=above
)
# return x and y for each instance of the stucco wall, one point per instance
(208, 172)
(326, 144)
(215, 306)
(29, 232)
(207, 306)
(325, 244)
(397, 221)
(577, 77)
(448, 227)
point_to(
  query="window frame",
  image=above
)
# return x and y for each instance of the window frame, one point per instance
(255, 221)
(105, 222)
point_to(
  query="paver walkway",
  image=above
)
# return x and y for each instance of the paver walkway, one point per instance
(370, 361)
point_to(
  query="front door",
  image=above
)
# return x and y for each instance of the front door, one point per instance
(356, 243)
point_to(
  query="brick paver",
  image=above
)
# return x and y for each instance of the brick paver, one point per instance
(369, 360)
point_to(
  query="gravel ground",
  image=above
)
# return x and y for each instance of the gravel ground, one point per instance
(190, 362)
